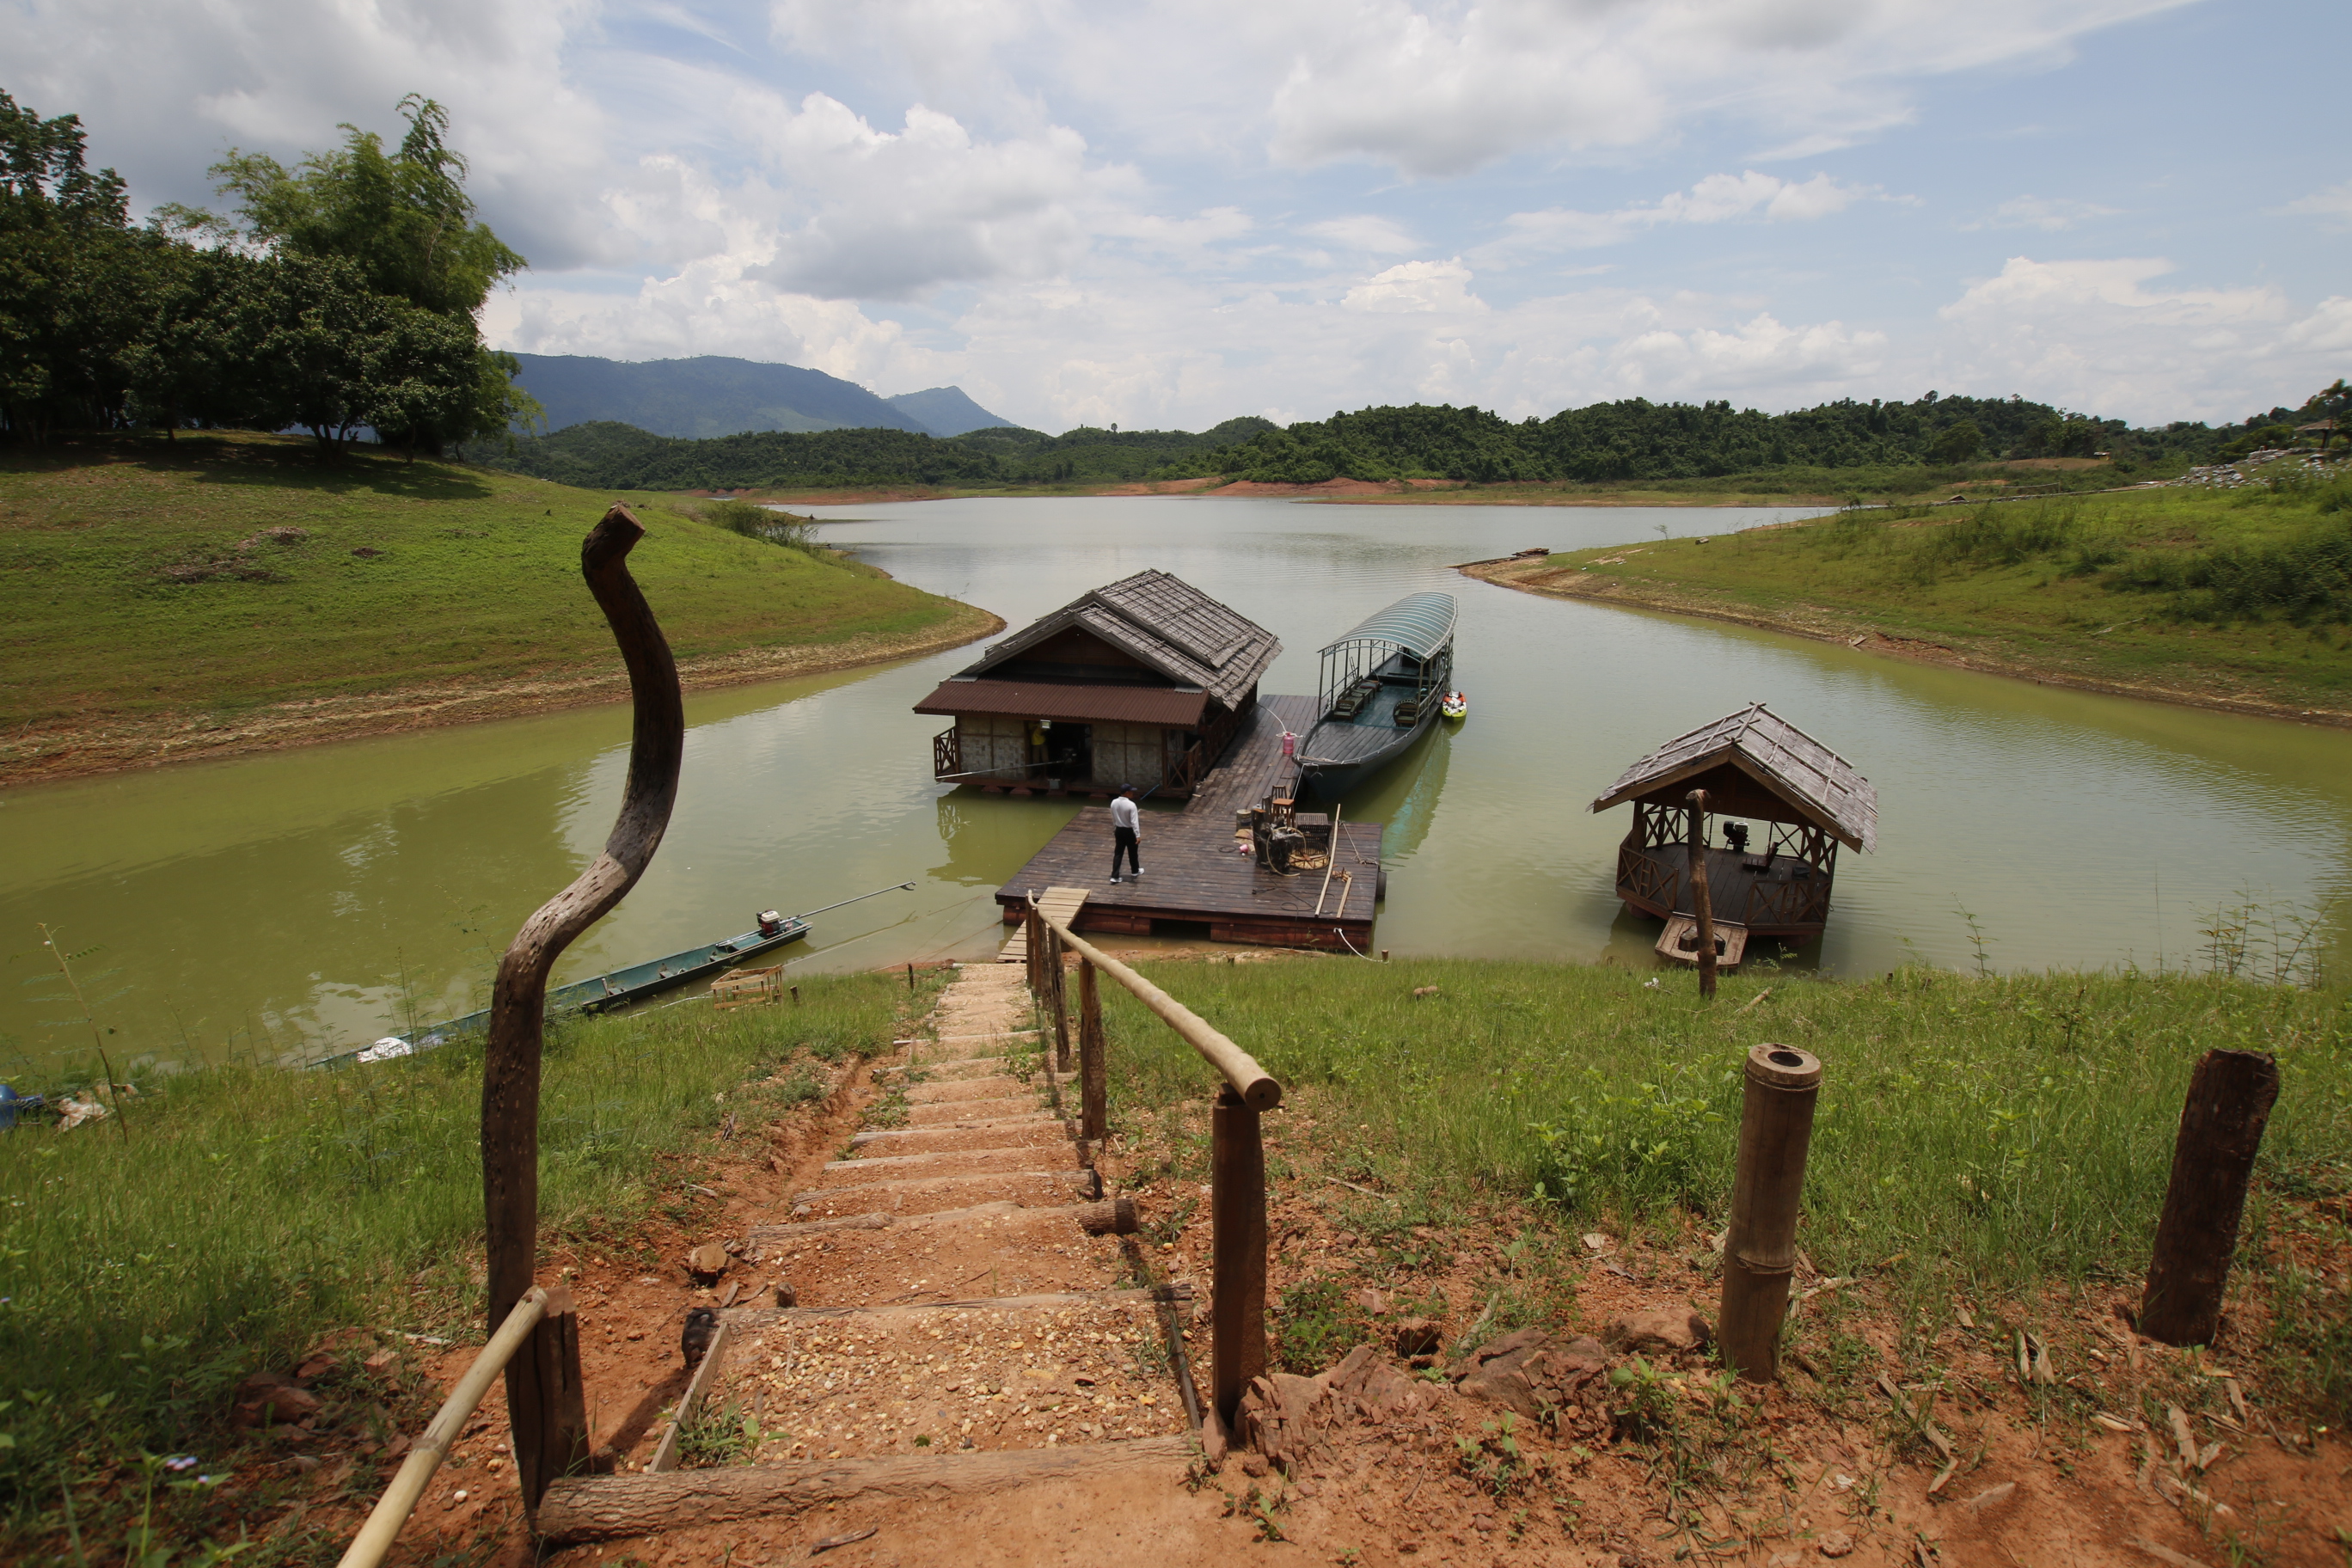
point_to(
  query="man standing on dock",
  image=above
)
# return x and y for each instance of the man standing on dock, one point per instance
(1125, 819)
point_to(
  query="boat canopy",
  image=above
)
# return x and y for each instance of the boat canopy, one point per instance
(1419, 627)
(1420, 623)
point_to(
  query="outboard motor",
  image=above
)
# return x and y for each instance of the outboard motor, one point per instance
(771, 923)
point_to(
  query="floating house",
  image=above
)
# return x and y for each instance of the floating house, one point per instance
(1754, 765)
(1141, 682)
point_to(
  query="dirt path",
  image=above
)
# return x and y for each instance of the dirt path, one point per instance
(101, 744)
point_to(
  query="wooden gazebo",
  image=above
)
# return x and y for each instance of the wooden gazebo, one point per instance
(1755, 765)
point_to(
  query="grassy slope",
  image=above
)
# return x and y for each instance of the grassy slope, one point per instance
(1981, 1139)
(252, 1209)
(477, 580)
(2033, 611)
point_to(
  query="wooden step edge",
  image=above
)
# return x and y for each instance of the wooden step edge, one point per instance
(985, 1124)
(930, 1157)
(1027, 1102)
(1112, 1216)
(579, 1509)
(747, 1318)
(1085, 1181)
(914, 1095)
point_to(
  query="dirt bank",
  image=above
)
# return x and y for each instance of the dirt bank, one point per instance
(1535, 575)
(76, 749)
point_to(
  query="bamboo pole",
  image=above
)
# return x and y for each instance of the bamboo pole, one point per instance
(1256, 1085)
(510, 1066)
(1702, 905)
(1094, 1086)
(1237, 1243)
(2221, 1124)
(1759, 1251)
(400, 1499)
(1330, 858)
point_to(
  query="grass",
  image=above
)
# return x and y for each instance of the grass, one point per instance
(1988, 1138)
(218, 573)
(2235, 595)
(250, 1210)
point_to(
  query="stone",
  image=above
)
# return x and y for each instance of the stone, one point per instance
(1530, 1373)
(708, 1262)
(1421, 991)
(1372, 1301)
(1417, 1336)
(1991, 1497)
(1833, 1543)
(1282, 1417)
(1365, 1387)
(268, 1399)
(381, 1362)
(1667, 1331)
(786, 1296)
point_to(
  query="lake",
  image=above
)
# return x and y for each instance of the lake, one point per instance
(282, 905)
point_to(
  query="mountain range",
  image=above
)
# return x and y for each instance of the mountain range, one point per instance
(714, 395)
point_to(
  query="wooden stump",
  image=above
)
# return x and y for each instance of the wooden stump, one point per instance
(2221, 1123)
(1760, 1250)
(1093, 1081)
(1237, 1219)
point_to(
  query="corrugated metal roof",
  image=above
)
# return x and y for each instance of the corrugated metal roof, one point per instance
(1782, 757)
(1421, 624)
(1170, 626)
(1159, 705)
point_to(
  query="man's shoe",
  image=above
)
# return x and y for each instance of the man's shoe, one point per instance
(1119, 879)
(1136, 875)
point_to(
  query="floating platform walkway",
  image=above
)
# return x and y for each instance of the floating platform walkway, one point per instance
(1196, 882)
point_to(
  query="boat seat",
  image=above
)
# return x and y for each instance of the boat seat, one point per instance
(1408, 714)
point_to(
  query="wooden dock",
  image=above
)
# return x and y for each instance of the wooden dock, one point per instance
(1196, 881)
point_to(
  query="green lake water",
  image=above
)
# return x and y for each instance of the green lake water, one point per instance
(285, 905)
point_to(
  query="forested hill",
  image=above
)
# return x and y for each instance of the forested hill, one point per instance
(1631, 440)
(607, 455)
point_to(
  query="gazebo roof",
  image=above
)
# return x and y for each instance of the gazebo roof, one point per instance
(1777, 755)
(1169, 625)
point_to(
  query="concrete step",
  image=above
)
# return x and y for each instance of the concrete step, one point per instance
(871, 1168)
(949, 1113)
(920, 1195)
(997, 1133)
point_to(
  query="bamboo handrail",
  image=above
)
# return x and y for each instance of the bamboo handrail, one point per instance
(400, 1499)
(1256, 1085)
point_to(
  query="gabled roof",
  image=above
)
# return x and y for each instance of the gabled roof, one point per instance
(1169, 625)
(1777, 755)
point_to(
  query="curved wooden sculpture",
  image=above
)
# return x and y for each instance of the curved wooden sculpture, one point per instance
(547, 1440)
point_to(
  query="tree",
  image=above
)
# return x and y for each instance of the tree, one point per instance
(2331, 403)
(1957, 442)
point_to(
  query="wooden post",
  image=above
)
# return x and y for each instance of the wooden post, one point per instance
(1238, 1244)
(510, 1063)
(1093, 1083)
(2221, 1123)
(1033, 929)
(1702, 906)
(910, 977)
(560, 1446)
(1776, 1127)
(1057, 997)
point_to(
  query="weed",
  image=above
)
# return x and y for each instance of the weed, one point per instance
(726, 1435)
(1316, 1322)
(1492, 1461)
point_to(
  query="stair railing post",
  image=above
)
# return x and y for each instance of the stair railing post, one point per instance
(1094, 1088)
(1033, 930)
(2221, 1124)
(560, 1415)
(1701, 903)
(1760, 1250)
(1058, 1001)
(1238, 1244)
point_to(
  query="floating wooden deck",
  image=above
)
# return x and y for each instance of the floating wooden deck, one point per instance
(1195, 881)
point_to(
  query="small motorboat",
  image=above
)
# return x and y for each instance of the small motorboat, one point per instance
(1455, 705)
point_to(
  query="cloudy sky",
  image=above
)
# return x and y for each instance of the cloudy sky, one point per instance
(1170, 213)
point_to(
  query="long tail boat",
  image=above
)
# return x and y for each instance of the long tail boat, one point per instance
(603, 993)
(1381, 690)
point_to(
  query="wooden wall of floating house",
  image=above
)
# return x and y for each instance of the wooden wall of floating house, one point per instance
(1127, 754)
(993, 742)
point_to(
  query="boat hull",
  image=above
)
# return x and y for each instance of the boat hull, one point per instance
(599, 993)
(1328, 781)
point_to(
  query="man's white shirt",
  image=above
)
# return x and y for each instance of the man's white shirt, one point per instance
(1123, 814)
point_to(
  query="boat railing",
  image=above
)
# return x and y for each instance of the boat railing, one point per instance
(1237, 1156)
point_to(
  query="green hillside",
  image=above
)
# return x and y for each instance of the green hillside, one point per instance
(213, 574)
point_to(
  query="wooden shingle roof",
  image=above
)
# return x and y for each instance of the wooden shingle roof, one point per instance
(1168, 624)
(1777, 755)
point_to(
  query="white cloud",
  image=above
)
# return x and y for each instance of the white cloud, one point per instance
(1414, 287)
(1719, 199)
(2049, 213)
(2105, 335)
(2335, 202)
(1362, 231)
